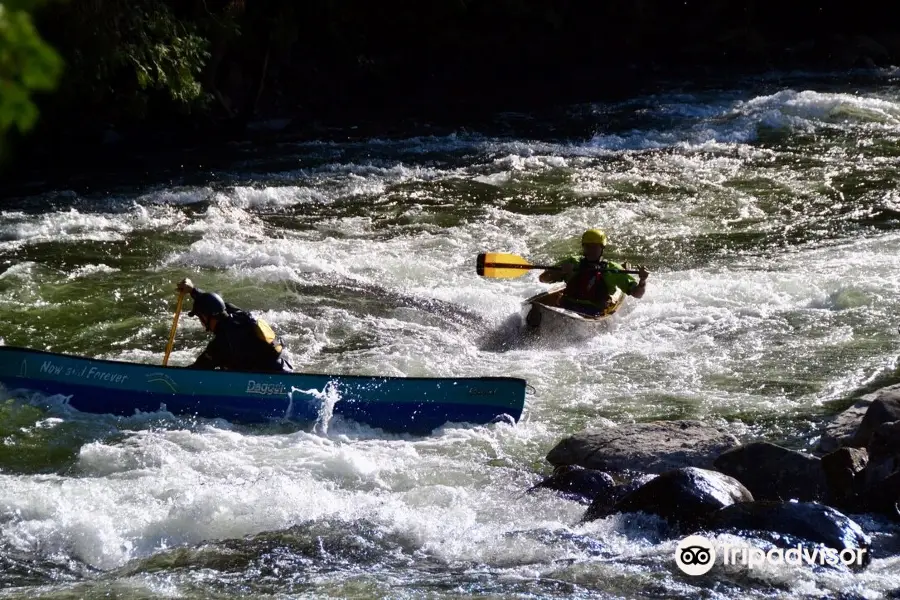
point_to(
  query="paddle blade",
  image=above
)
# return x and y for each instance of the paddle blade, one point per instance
(498, 265)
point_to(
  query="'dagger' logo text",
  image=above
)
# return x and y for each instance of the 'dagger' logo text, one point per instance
(266, 389)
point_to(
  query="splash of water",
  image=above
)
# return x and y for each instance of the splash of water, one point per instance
(329, 395)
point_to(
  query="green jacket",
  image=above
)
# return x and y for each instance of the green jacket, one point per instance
(595, 288)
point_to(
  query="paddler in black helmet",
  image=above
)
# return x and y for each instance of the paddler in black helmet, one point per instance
(242, 342)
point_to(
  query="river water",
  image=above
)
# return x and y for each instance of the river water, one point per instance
(767, 211)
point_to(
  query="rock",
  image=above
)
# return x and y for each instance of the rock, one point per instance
(582, 485)
(884, 453)
(843, 470)
(771, 472)
(883, 497)
(885, 408)
(644, 447)
(816, 523)
(604, 503)
(841, 429)
(681, 496)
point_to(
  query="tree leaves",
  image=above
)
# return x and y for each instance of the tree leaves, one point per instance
(27, 65)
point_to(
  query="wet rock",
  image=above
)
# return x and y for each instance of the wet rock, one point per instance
(885, 408)
(681, 496)
(883, 497)
(841, 429)
(816, 523)
(843, 470)
(884, 453)
(644, 447)
(604, 503)
(581, 485)
(771, 472)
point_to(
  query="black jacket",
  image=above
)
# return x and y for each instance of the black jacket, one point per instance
(238, 346)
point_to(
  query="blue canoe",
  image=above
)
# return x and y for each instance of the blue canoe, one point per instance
(415, 405)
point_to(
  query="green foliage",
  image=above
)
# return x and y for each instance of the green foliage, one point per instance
(122, 53)
(164, 53)
(27, 65)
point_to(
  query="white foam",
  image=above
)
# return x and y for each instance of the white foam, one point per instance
(729, 327)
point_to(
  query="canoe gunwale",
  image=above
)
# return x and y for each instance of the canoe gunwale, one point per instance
(300, 375)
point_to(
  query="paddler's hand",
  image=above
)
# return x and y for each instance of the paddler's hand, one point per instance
(643, 273)
(557, 274)
(185, 286)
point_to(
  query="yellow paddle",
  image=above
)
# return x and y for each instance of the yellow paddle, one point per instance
(174, 327)
(500, 265)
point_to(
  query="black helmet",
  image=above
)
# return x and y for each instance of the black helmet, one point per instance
(207, 304)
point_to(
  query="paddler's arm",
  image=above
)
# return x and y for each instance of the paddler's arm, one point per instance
(641, 287)
(563, 271)
(206, 360)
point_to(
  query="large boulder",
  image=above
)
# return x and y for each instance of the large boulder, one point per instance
(771, 472)
(809, 521)
(682, 496)
(644, 447)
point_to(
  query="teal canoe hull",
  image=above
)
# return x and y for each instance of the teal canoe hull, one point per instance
(416, 405)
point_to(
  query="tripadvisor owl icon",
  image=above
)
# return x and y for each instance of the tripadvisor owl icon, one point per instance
(695, 555)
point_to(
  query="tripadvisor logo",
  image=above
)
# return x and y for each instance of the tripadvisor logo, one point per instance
(695, 555)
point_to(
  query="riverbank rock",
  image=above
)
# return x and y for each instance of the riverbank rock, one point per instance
(884, 453)
(644, 447)
(885, 408)
(816, 523)
(844, 476)
(838, 432)
(881, 476)
(771, 472)
(682, 496)
(883, 497)
(854, 426)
